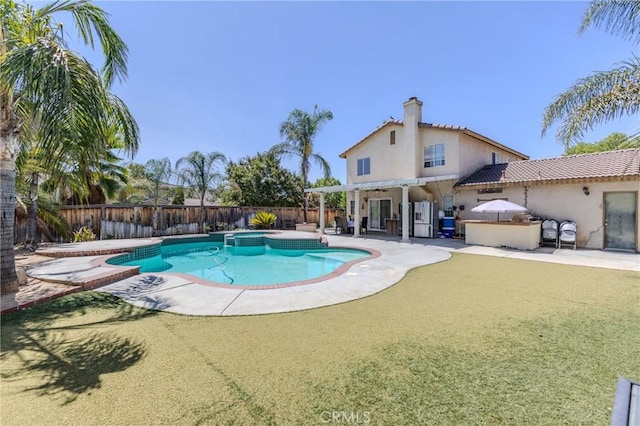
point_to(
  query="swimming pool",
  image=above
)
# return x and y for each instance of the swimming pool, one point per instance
(249, 261)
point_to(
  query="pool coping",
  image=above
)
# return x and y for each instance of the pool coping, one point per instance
(428, 251)
(102, 261)
(179, 292)
(183, 295)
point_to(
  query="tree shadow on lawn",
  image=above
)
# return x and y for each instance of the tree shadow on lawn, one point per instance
(556, 370)
(65, 360)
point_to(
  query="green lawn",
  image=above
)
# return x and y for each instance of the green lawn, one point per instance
(472, 340)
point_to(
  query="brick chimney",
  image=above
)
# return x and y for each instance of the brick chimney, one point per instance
(412, 144)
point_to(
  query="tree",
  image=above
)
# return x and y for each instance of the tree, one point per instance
(178, 197)
(199, 172)
(299, 130)
(612, 142)
(336, 200)
(135, 189)
(605, 95)
(158, 172)
(261, 181)
(42, 80)
(90, 175)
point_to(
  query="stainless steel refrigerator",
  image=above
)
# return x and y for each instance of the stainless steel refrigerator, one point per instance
(422, 214)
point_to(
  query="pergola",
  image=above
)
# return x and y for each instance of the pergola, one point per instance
(405, 184)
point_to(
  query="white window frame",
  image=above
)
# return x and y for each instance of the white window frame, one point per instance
(434, 155)
(363, 166)
(495, 158)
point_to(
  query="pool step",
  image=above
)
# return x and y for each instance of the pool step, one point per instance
(229, 240)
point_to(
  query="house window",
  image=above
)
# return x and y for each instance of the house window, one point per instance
(392, 137)
(447, 205)
(364, 166)
(495, 158)
(434, 155)
(352, 210)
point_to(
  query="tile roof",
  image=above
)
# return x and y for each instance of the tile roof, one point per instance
(623, 163)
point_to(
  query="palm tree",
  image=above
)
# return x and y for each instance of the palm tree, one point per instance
(158, 172)
(299, 130)
(137, 182)
(199, 172)
(42, 80)
(605, 95)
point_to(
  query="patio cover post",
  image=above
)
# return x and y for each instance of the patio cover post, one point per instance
(405, 214)
(322, 212)
(356, 216)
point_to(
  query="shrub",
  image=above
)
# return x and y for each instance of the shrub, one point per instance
(178, 197)
(83, 234)
(263, 220)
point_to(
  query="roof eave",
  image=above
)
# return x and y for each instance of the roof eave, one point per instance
(494, 143)
(498, 184)
(376, 130)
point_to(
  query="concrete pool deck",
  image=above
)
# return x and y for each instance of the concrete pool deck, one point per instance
(178, 294)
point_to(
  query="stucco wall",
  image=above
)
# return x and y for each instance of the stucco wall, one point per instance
(475, 154)
(416, 193)
(435, 136)
(556, 201)
(387, 161)
(523, 236)
(440, 190)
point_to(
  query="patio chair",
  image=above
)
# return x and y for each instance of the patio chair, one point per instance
(341, 224)
(567, 237)
(350, 226)
(363, 225)
(550, 232)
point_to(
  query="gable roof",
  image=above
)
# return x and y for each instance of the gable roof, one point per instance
(373, 132)
(462, 129)
(623, 164)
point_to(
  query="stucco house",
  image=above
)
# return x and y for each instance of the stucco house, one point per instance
(410, 160)
(407, 161)
(598, 191)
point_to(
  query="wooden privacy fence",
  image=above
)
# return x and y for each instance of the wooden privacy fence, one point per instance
(132, 221)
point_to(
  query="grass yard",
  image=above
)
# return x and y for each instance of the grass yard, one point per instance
(473, 340)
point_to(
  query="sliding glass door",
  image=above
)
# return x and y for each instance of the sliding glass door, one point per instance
(379, 210)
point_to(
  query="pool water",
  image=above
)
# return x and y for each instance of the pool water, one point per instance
(255, 265)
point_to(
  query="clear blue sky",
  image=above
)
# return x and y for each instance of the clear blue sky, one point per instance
(213, 76)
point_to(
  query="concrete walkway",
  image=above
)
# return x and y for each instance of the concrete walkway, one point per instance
(177, 294)
(180, 295)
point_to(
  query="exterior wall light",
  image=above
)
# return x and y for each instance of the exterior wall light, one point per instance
(585, 189)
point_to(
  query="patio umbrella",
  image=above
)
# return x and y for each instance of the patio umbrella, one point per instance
(499, 206)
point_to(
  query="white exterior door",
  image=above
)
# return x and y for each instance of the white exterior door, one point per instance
(620, 220)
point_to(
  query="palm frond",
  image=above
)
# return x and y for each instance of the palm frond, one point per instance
(90, 19)
(60, 86)
(595, 99)
(285, 149)
(617, 17)
(326, 168)
(48, 218)
(199, 171)
(126, 127)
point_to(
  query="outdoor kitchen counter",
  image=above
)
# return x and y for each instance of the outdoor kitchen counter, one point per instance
(519, 235)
